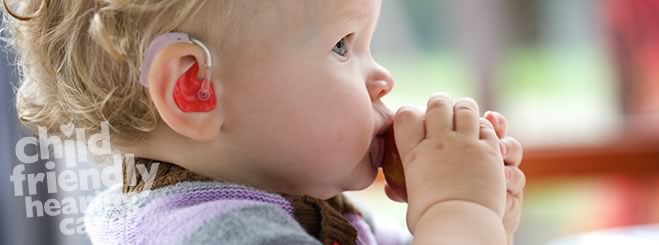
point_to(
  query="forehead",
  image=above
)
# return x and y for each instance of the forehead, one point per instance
(351, 10)
(356, 12)
(296, 22)
(320, 17)
(325, 11)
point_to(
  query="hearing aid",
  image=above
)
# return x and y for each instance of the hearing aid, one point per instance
(190, 94)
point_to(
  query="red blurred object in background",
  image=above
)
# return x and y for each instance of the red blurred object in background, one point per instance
(634, 25)
(634, 28)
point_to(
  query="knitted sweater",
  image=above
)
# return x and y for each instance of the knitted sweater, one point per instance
(196, 212)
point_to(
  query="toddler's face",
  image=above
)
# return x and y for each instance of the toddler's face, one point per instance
(304, 108)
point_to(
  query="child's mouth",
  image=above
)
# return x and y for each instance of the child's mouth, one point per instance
(377, 151)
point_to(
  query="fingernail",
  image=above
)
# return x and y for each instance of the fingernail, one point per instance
(485, 123)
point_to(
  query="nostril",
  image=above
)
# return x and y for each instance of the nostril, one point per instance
(379, 90)
(386, 89)
(380, 82)
(383, 93)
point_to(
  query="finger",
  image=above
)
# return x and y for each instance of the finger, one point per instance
(487, 133)
(439, 115)
(499, 122)
(466, 117)
(512, 216)
(515, 180)
(513, 204)
(512, 152)
(408, 129)
(503, 148)
(392, 194)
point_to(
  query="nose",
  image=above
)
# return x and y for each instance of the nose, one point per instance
(379, 83)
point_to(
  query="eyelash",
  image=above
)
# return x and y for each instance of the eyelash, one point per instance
(341, 48)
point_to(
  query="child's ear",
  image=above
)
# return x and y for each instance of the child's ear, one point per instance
(171, 63)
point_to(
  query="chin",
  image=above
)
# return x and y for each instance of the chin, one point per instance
(362, 178)
(357, 181)
(325, 193)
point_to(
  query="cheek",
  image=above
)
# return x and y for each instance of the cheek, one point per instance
(305, 117)
(330, 124)
(343, 113)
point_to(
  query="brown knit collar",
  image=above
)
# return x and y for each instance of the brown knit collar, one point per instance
(322, 219)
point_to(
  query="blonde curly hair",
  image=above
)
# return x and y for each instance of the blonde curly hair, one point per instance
(79, 61)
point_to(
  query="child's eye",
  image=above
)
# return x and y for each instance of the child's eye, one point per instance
(341, 48)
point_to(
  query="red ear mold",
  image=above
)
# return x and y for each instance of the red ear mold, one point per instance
(186, 92)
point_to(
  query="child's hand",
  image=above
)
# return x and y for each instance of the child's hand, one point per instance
(452, 155)
(512, 157)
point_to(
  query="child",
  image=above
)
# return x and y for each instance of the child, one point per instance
(260, 114)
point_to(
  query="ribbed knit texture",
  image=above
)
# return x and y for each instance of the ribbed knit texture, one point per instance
(176, 214)
(185, 208)
(323, 221)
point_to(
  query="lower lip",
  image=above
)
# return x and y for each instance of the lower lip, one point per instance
(377, 152)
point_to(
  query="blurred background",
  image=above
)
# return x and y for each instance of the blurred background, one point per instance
(578, 81)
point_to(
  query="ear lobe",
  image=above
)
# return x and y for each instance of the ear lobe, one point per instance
(175, 68)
